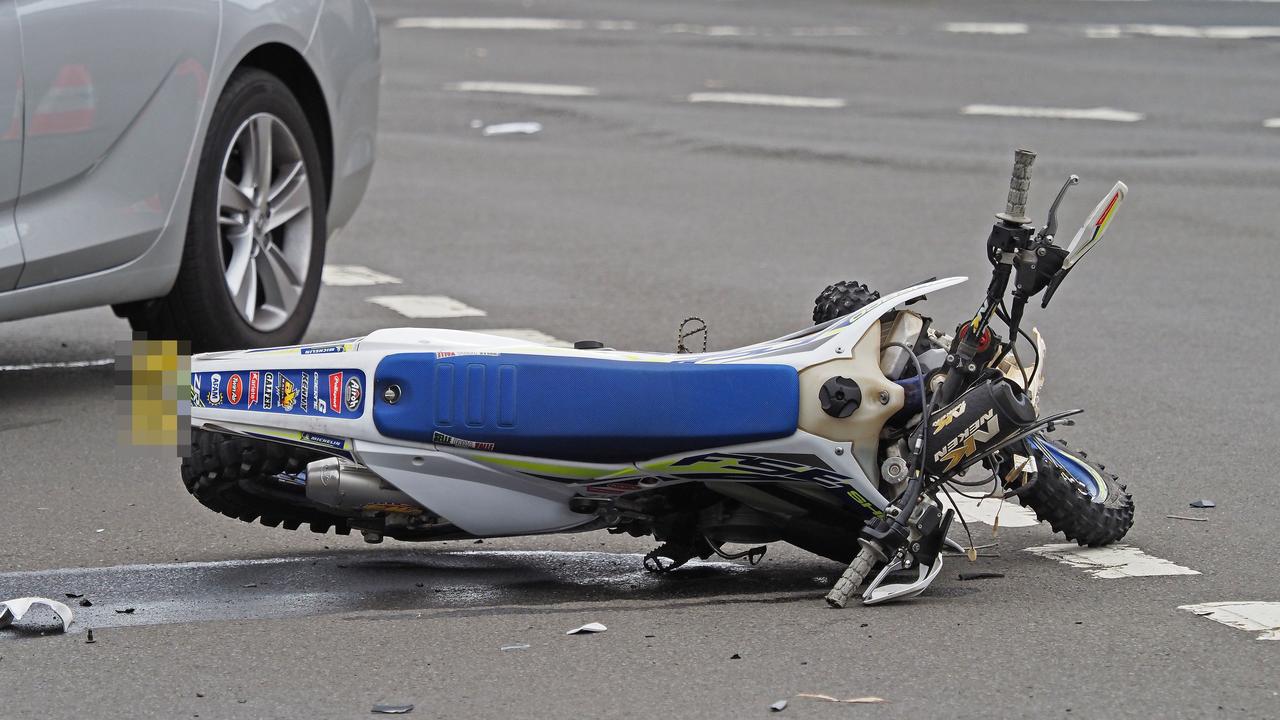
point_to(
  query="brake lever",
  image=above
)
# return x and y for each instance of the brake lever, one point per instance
(1051, 225)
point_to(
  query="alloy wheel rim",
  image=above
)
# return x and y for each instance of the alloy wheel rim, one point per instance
(264, 222)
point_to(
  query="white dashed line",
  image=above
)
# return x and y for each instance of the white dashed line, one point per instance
(977, 28)
(1271, 122)
(487, 23)
(1205, 32)
(529, 335)
(426, 306)
(67, 364)
(793, 101)
(354, 276)
(1260, 617)
(1110, 562)
(1098, 113)
(513, 88)
(986, 510)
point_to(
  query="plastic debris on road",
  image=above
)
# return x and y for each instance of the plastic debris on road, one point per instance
(778, 706)
(516, 646)
(12, 610)
(515, 128)
(867, 700)
(594, 627)
(391, 709)
(1203, 504)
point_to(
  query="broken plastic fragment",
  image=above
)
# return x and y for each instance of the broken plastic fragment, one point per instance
(12, 610)
(1203, 504)
(515, 128)
(778, 706)
(594, 627)
(853, 701)
(392, 709)
(517, 646)
(125, 611)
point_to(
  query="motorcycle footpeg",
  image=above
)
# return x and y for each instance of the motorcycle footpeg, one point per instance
(666, 558)
(877, 593)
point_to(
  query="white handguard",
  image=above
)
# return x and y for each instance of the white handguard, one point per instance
(1091, 232)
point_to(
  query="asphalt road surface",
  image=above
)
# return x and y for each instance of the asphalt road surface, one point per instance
(726, 160)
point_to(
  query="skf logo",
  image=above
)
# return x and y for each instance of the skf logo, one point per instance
(945, 420)
(966, 443)
(235, 386)
(353, 393)
(335, 391)
(288, 394)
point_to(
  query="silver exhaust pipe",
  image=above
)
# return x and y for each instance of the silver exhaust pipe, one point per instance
(348, 486)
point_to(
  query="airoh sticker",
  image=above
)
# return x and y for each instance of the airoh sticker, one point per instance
(353, 393)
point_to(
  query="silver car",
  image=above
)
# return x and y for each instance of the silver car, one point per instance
(184, 161)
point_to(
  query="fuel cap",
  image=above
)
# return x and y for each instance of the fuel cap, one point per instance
(840, 396)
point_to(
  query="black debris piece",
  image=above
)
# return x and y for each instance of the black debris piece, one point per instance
(478, 542)
(85, 603)
(89, 638)
(74, 596)
(392, 709)
(980, 575)
(417, 584)
(649, 636)
(199, 694)
(778, 706)
(126, 611)
(1203, 504)
(735, 656)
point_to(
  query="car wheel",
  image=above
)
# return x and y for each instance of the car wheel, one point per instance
(255, 239)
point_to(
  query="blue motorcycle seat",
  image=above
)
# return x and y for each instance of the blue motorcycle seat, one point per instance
(582, 409)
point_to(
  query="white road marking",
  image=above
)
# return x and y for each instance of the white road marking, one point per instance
(515, 88)
(1260, 617)
(530, 335)
(985, 511)
(979, 28)
(793, 101)
(355, 275)
(488, 23)
(426, 306)
(1202, 32)
(67, 364)
(708, 30)
(1110, 562)
(835, 31)
(1098, 113)
(1271, 122)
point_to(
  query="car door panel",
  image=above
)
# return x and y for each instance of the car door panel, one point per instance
(10, 143)
(114, 92)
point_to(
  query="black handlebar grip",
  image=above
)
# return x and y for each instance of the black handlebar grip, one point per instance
(1015, 210)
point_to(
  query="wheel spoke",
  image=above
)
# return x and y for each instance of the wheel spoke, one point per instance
(244, 289)
(233, 197)
(280, 284)
(260, 132)
(289, 201)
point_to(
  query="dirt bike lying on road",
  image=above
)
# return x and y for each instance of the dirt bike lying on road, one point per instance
(840, 438)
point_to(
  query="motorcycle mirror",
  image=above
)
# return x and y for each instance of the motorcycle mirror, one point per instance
(1093, 228)
(1088, 236)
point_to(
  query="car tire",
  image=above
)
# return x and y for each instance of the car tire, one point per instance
(221, 300)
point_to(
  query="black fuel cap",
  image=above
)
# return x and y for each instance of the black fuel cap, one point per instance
(839, 397)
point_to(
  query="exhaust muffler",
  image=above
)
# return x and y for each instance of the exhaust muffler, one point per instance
(348, 486)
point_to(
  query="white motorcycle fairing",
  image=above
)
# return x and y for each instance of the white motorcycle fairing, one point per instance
(455, 419)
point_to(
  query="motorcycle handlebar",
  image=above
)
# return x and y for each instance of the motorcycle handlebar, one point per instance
(1015, 210)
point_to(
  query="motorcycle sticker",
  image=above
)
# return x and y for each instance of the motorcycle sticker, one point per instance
(300, 392)
(234, 388)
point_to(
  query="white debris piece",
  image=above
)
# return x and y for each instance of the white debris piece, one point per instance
(513, 128)
(1260, 617)
(594, 627)
(13, 610)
